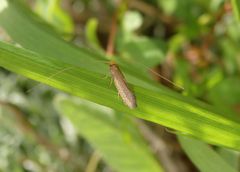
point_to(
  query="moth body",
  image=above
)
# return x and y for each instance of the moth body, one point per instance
(121, 85)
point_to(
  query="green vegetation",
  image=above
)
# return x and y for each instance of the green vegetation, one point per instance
(87, 127)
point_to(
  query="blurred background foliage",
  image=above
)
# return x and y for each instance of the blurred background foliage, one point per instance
(194, 43)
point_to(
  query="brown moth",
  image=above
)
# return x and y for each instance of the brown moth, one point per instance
(121, 85)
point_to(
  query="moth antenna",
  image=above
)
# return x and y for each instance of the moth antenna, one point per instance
(63, 70)
(159, 75)
(164, 78)
(51, 76)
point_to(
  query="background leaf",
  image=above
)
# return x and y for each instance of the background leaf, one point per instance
(116, 138)
(200, 153)
(53, 14)
(236, 8)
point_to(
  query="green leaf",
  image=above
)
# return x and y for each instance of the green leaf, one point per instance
(17, 19)
(132, 21)
(48, 44)
(230, 156)
(122, 148)
(203, 156)
(143, 50)
(76, 71)
(91, 33)
(51, 11)
(229, 48)
(168, 6)
(163, 107)
(236, 8)
(227, 90)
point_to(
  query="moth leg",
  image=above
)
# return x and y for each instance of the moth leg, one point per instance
(171, 131)
(111, 81)
(105, 77)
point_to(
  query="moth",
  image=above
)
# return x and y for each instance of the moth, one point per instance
(121, 85)
(126, 94)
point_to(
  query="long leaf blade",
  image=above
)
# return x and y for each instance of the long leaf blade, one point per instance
(123, 150)
(181, 113)
(203, 156)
